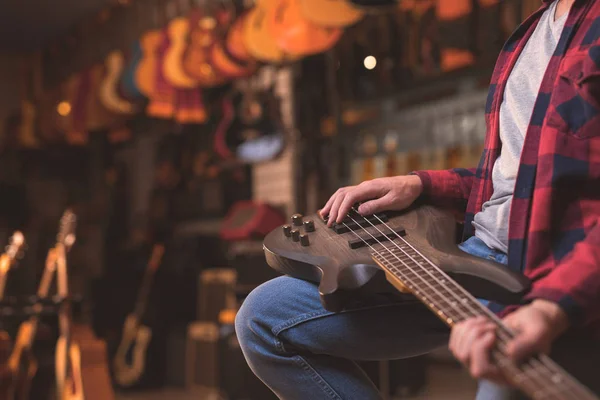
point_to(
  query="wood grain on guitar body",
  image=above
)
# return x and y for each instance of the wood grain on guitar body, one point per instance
(109, 95)
(415, 251)
(136, 337)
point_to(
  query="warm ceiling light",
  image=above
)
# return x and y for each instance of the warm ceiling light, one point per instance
(63, 108)
(370, 62)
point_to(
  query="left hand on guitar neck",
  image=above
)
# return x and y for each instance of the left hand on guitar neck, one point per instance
(536, 325)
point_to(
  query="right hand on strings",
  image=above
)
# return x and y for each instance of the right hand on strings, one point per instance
(393, 193)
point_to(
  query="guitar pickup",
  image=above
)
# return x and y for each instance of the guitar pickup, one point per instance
(361, 222)
(378, 237)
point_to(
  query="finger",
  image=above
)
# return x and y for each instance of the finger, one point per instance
(362, 192)
(327, 207)
(473, 329)
(458, 335)
(375, 206)
(335, 208)
(480, 366)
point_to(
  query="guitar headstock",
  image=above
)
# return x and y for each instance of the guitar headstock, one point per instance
(13, 251)
(157, 252)
(66, 232)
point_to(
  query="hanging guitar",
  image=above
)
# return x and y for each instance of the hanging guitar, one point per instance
(129, 361)
(417, 253)
(250, 130)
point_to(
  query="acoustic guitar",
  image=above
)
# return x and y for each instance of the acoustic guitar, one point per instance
(67, 363)
(7, 260)
(150, 42)
(178, 31)
(129, 361)
(336, 13)
(109, 93)
(296, 35)
(21, 367)
(259, 39)
(207, 26)
(415, 252)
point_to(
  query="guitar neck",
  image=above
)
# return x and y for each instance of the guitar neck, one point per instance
(144, 292)
(407, 268)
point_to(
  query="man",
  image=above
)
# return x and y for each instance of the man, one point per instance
(533, 204)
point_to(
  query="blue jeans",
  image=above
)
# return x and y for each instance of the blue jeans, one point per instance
(302, 351)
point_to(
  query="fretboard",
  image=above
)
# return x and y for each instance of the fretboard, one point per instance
(539, 376)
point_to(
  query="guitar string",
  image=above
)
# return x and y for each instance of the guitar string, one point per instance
(427, 283)
(541, 360)
(539, 385)
(575, 384)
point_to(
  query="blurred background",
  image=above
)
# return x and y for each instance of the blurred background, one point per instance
(179, 133)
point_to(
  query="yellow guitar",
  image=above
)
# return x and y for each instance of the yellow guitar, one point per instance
(136, 336)
(67, 363)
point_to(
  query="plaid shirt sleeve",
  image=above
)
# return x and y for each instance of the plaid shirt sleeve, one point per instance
(448, 189)
(574, 283)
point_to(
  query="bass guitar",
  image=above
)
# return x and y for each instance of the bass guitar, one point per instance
(416, 252)
(129, 361)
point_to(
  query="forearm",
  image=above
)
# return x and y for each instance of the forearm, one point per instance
(449, 189)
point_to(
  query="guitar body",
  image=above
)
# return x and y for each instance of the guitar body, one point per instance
(197, 57)
(178, 31)
(109, 94)
(258, 38)
(21, 366)
(296, 35)
(340, 270)
(69, 385)
(338, 13)
(128, 78)
(145, 74)
(135, 341)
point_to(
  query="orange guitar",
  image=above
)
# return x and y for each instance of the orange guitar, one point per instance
(296, 35)
(338, 13)
(178, 31)
(145, 74)
(197, 58)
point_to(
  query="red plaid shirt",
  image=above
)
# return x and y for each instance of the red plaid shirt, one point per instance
(554, 230)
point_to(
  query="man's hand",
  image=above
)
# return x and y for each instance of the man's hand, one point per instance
(394, 193)
(535, 325)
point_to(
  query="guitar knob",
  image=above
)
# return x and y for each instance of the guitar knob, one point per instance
(296, 235)
(309, 226)
(297, 219)
(287, 230)
(304, 240)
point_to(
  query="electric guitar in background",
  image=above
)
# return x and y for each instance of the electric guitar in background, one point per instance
(69, 381)
(7, 260)
(21, 367)
(13, 251)
(129, 361)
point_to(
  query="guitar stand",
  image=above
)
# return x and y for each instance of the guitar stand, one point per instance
(28, 306)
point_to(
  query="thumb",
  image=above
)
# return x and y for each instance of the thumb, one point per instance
(375, 206)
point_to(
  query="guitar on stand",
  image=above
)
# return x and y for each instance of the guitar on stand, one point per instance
(7, 260)
(129, 361)
(69, 381)
(21, 367)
